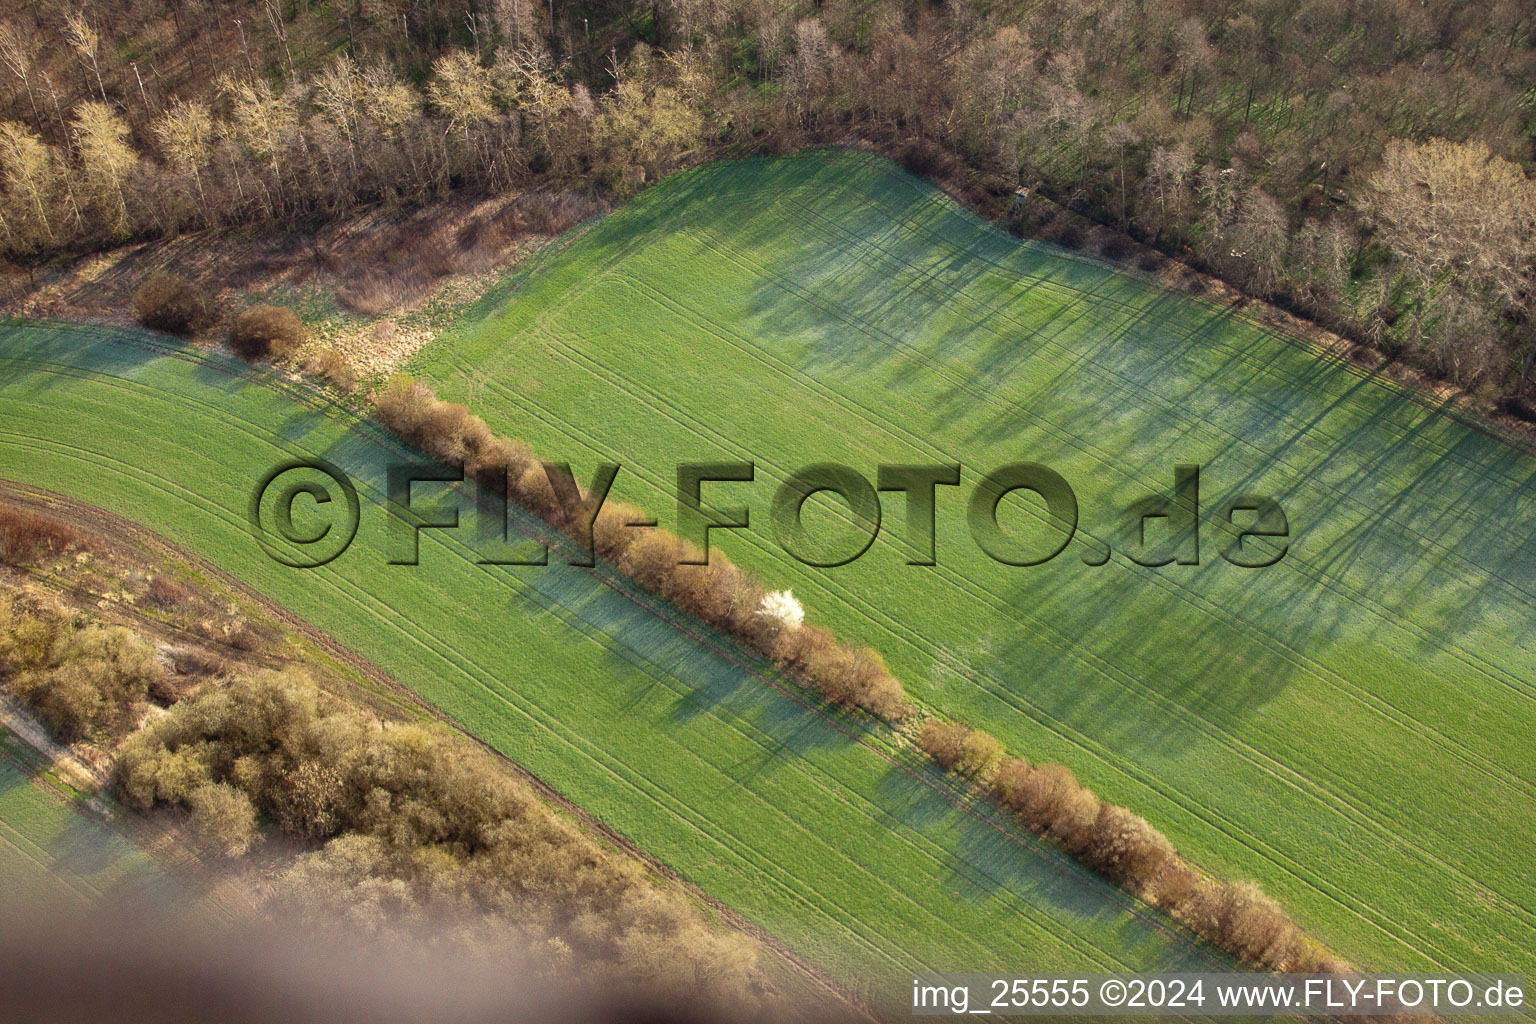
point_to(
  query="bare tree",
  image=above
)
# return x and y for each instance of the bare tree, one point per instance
(106, 162)
(86, 43)
(31, 174)
(18, 53)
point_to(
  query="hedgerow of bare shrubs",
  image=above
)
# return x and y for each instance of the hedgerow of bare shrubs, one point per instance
(266, 332)
(1047, 797)
(26, 535)
(718, 593)
(166, 302)
(415, 812)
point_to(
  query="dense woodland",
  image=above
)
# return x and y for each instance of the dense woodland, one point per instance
(1362, 163)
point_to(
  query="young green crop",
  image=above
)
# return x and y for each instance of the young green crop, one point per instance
(1348, 727)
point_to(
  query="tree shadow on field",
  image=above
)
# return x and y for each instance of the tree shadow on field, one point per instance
(65, 348)
(657, 650)
(989, 855)
(86, 847)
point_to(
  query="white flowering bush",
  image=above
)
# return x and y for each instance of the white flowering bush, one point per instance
(782, 608)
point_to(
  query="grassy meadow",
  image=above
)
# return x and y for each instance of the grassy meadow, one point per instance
(1349, 727)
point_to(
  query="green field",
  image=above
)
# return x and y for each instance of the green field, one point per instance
(857, 857)
(53, 850)
(1350, 727)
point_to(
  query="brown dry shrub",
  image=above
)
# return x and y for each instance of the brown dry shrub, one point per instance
(1040, 797)
(1175, 886)
(884, 696)
(1126, 849)
(982, 752)
(719, 593)
(223, 817)
(332, 365)
(405, 407)
(1073, 826)
(534, 492)
(794, 649)
(248, 636)
(960, 748)
(1115, 246)
(167, 593)
(166, 302)
(452, 433)
(1064, 231)
(266, 332)
(501, 460)
(611, 533)
(652, 560)
(1241, 919)
(1008, 782)
(26, 535)
(856, 677)
(943, 742)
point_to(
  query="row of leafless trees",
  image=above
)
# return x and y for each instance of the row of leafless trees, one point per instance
(1237, 917)
(251, 152)
(718, 592)
(1123, 847)
(1223, 136)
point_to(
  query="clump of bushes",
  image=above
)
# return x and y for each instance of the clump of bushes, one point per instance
(26, 535)
(331, 364)
(414, 820)
(959, 748)
(266, 332)
(167, 593)
(74, 678)
(167, 302)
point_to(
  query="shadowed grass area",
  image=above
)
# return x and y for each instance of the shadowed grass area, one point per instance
(54, 852)
(809, 824)
(1349, 727)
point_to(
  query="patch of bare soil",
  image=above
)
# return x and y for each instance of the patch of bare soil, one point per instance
(376, 268)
